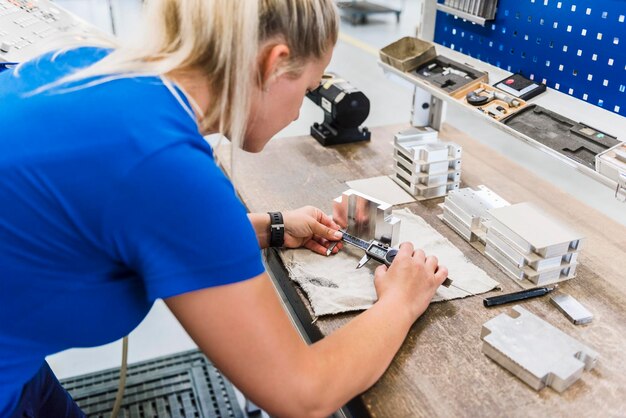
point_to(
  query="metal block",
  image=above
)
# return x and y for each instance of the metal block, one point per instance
(532, 230)
(535, 351)
(572, 309)
(420, 191)
(426, 168)
(532, 260)
(366, 217)
(525, 272)
(471, 206)
(417, 135)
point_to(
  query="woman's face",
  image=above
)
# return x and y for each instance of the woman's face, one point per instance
(276, 107)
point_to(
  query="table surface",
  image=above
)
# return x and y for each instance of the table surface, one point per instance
(440, 369)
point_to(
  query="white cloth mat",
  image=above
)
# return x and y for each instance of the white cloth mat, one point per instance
(333, 284)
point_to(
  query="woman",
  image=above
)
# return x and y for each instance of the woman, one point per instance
(111, 199)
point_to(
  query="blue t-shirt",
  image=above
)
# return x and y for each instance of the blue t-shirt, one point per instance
(109, 199)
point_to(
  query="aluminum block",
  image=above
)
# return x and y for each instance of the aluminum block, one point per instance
(572, 309)
(428, 168)
(423, 192)
(475, 203)
(416, 135)
(532, 260)
(519, 273)
(456, 224)
(426, 152)
(366, 217)
(535, 351)
(532, 230)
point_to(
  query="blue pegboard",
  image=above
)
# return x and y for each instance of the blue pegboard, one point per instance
(576, 47)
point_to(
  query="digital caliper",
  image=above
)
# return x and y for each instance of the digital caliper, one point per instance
(377, 250)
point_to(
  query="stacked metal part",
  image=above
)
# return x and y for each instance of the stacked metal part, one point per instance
(466, 211)
(424, 166)
(481, 8)
(530, 245)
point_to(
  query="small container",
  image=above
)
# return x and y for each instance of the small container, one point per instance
(408, 53)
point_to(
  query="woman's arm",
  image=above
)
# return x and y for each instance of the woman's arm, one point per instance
(244, 330)
(307, 227)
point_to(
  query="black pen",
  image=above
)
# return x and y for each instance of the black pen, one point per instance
(514, 297)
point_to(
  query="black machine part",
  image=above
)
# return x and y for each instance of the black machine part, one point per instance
(345, 109)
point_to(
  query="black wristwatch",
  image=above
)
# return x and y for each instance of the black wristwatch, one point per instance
(277, 229)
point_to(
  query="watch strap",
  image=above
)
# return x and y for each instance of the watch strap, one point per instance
(277, 229)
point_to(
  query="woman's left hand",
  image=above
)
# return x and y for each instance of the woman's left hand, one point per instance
(311, 228)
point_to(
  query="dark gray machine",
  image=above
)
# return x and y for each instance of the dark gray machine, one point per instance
(345, 109)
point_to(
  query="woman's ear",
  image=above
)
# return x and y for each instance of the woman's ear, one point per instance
(271, 59)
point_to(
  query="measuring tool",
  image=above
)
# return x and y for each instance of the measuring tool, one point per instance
(376, 250)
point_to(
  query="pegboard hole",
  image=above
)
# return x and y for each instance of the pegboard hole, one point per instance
(541, 21)
(514, 33)
(569, 28)
(544, 81)
(573, 7)
(622, 88)
(561, 67)
(517, 15)
(493, 26)
(575, 72)
(621, 19)
(605, 15)
(490, 43)
(610, 62)
(599, 37)
(551, 44)
(532, 77)
(616, 40)
(583, 32)
(579, 52)
(530, 18)
(548, 63)
(594, 57)
(555, 25)
(506, 12)
(523, 55)
(616, 108)
(605, 83)
(588, 11)
(545, 2)
(570, 91)
(538, 41)
(600, 102)
(589, 77)
(534, 58)
(558, 5)
(512, 51)
(564, 48)
(525, 37)
(556, 86)
(585, 96)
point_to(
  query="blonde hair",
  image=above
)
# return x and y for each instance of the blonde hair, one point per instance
(222, 38)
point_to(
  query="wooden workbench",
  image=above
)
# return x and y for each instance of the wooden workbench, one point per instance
(440, 370)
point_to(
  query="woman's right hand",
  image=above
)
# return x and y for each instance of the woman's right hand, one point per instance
(412, 279)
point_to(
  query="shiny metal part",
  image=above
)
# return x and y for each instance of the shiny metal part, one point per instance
(535, 351)
(366, 218)
(572, 309)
